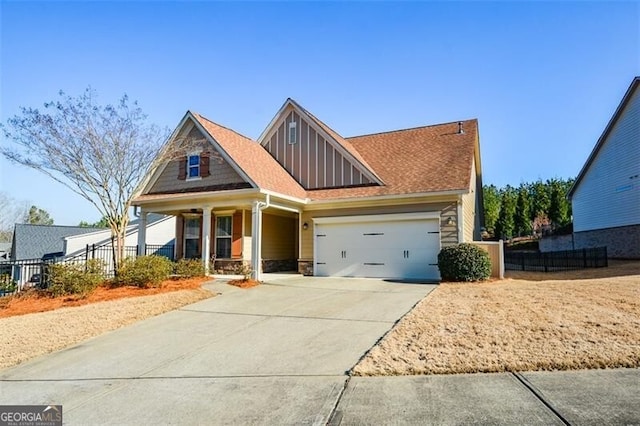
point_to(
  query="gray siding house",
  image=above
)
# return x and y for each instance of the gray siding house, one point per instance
(606, 195)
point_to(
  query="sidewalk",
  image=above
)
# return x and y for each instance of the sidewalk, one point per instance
(585, 397)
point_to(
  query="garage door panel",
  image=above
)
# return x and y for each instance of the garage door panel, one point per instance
(385, 249)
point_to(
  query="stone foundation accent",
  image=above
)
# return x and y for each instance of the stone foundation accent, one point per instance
(556, 243)
(305, 267)
(278, 265)
(227, 267)
(622, 242)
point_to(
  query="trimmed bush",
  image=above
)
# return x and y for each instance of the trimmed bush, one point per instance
(464, 262)
(76, 279)
(189, 268)
(144, 271)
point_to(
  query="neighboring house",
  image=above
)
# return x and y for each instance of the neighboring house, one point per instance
(605, 197)
(302, 197)
(5, 251)
(42, 241)
(51, 241)
(160, 232)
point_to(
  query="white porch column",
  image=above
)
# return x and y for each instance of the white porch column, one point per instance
(206, 237)
(142, 233)
(256, 239)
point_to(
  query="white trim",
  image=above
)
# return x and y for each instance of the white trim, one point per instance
(198, 195)
(394, 217)
(284, 197)
(319, 203)
(460, 221)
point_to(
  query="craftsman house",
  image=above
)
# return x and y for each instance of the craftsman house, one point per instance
(303, 197)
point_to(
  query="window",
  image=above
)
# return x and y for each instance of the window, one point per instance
(193, 166)
(223, 237)
(293, 134)
(192, 237)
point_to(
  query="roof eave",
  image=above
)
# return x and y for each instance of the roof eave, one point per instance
(596, 149)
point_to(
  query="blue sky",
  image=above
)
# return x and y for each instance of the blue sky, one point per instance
(543, 78)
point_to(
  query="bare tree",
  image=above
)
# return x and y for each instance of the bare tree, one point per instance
(100, 152)
(12, 211)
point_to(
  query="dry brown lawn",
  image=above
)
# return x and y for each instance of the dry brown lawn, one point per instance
(529, 321)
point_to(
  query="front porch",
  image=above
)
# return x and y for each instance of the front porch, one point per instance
(263, 236)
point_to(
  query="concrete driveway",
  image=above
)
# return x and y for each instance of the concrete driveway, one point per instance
(275, 354)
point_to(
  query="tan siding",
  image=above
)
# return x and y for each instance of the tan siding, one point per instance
(496, 254)
(449, 233)
(221, 172)
(307, 236)
(278, 237)
(469, 208)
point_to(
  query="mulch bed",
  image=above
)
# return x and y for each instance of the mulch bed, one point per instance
(244, 283)
(31, 301)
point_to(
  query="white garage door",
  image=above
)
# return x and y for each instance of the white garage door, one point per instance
(385, 246)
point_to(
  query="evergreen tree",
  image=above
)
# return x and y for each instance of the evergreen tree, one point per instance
(522, 220)
(491, 197)
(38, 216)
(505, 225)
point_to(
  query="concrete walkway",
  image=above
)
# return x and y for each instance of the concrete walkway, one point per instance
(278, 354)
(274, 354)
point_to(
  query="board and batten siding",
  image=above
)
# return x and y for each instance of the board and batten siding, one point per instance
(609, 193)
(313, 160)
(221, 172)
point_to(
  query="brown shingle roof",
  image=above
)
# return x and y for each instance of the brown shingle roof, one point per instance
(253, 159)
(424, 159)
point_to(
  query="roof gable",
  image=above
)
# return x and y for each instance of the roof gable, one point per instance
(320, 151)
(633, 87)
(250, 157)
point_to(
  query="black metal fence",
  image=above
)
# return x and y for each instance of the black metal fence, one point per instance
(565, 260)
(19, 275)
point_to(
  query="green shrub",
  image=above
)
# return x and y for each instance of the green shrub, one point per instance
(189, 268)
(76, 279)
(7, 284)
(245, 270)
(464, 262)
(144, 271)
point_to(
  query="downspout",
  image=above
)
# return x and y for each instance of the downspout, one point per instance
(256, 244)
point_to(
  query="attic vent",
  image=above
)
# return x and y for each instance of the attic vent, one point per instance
(292, 133)
(460, 129)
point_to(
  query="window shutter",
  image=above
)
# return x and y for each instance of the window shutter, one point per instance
(204, 165)
(236, 235)
(179, 241)
(182, 168)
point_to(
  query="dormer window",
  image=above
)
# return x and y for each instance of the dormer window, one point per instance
(193, 166)
(293, 134)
